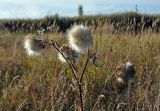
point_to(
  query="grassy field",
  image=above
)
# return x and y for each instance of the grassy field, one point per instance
(124, 22)
(45, 84)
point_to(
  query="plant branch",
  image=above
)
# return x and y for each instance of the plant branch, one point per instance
(86, 63)
(80, 95)
(74, 73)
(69, 63)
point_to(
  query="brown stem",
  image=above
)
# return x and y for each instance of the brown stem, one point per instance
(80, 96)
(80, 82)
(85, 67)
(74, 73)
(69, 63)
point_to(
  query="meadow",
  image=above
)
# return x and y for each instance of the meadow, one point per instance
(45, 84)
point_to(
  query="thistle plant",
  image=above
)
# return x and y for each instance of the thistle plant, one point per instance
(124, 73)
(79, 42)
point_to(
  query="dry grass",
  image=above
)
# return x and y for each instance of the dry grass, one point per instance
(43, 83)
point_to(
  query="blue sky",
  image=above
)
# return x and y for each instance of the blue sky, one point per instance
(40, 8)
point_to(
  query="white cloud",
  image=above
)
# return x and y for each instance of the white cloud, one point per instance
(124, 2)
(37, 8)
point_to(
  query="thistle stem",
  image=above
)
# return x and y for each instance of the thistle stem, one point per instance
(71, 65)
(85, 66)
(80, 96)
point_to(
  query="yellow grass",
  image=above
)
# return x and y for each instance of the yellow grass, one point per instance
(44, 83)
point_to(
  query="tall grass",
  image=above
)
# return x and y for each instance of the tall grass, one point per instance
(121, 22)
(43, 83)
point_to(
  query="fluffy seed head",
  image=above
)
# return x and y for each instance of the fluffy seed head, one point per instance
(80, 38)
(33, 46)
(69, 54)
(124, 72)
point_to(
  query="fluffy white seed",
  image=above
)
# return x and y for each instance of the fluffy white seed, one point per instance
(33, 46)
(80, 38)
(68, 53)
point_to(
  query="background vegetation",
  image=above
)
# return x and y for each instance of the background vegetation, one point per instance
(43, 83)
(129, 21)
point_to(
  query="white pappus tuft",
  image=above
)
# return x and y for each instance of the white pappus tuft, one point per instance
(33, 46)
(80, 38)
(68, 53)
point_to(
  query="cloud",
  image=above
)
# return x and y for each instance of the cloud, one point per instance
(39, 8)
(125, 2)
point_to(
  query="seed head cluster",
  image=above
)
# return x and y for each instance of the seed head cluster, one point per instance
(79, 41)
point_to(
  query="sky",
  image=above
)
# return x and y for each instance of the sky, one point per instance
(40, 8)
